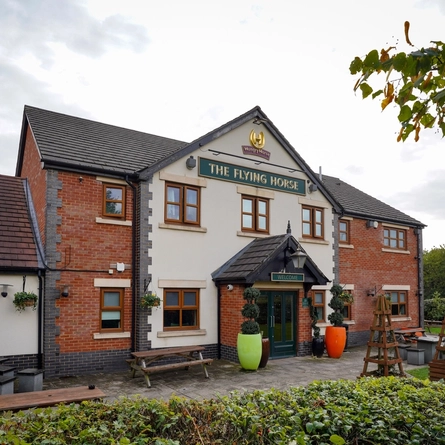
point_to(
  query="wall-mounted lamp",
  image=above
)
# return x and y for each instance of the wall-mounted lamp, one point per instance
(65, 290)
(229, 287)
(313, 188)
(298, 258)
(370, 293)
(5, 289)
(190, 163)
(372, 224)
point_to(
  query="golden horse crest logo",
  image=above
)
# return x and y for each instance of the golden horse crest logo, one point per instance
(257, 141)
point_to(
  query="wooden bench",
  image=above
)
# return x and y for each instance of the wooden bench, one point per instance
(144, 361)
(50, 397)
(432, 324)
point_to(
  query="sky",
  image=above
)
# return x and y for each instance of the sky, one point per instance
(180, 69)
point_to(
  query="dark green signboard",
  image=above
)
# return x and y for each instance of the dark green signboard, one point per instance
(287, 277)
(257, 178)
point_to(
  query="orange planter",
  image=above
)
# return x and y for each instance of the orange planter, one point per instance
(335, 340)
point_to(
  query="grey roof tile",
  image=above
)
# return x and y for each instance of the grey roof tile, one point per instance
(88, 144)
(357, 203)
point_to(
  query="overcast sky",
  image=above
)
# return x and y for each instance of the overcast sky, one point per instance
(182, 68)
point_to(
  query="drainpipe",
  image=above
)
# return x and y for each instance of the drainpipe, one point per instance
(133, 268)
(40, 322)
(419, 258)
(219, 322)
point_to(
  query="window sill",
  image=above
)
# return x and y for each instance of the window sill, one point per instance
(181, 227)
(313, 241)
(346, 246)
(108, 335)
(115, 222)
(167, 334)
(403, 252)
(396, 318)
(252, 234)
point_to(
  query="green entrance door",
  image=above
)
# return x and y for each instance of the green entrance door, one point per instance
(278, 322)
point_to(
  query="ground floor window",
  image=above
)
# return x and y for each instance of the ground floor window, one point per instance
(398, 302)
(181, 309)
(318, 301)
(111, 309)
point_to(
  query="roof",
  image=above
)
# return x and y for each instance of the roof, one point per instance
(357, 203)
(258, 259)
(74, 143)
(18, 248)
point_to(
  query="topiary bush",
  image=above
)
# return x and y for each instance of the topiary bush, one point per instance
(250, 311)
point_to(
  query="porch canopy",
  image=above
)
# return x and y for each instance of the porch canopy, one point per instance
(262, 258)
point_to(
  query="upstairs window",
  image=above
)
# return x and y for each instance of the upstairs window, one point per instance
(394, 238)
(113, 201)
(111, 310)
(255, 214)
(343, 231)
(181, 309)
(182, 204)
(312, 219)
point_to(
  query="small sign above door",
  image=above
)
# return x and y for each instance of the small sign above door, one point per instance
(287, 277)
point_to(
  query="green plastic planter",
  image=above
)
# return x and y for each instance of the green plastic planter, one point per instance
(250, 349)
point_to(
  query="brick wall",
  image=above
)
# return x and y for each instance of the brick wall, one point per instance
(368, 267)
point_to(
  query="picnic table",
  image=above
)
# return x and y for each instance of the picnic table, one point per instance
(409, 334)
(146, 361)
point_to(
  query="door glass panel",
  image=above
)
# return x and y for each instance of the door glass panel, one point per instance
(262, 319)
(277, 309)
(289, 318)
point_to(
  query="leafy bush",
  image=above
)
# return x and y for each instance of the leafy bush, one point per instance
(250, 311)
(388, 410)
(435, 308)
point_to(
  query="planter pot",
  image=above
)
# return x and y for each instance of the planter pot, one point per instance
(335, 340)
(265, 353)
(249, 347)
(318, 347)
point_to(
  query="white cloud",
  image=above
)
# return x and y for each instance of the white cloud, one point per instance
(180, 69)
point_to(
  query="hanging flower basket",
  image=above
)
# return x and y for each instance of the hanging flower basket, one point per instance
(150, 299)
(22, 300)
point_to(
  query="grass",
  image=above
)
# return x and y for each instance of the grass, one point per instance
(420, 373)
(435, 330)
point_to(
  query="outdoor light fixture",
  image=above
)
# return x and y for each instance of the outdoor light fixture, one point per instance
(372, 224)
(298, 258)
(190, 163)
(5, 289)
(65, 291)
(313, 188)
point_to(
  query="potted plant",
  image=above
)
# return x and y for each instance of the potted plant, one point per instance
(150, 299)
(249, 342)
(22, 300)
(335, 335)
(317, 341)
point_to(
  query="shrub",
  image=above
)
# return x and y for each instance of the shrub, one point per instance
(250, 311)
(435, 308)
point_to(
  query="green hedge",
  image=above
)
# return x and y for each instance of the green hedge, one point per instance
(366, 411)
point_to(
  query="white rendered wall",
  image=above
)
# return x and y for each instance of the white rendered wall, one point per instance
(194, 255)
(18, 330)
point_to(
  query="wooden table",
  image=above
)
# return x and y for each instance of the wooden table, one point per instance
(144, 361)
(50, 397)
(410, 334)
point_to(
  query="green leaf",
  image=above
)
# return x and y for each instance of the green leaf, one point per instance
(337, 440)
(366, 90)
(437, 98)
(405, 114)
(377, 93)
(356, 65)
(399, 61)
(372, 59)
(427, 121)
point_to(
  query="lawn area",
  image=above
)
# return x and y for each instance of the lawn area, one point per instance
(421, 373)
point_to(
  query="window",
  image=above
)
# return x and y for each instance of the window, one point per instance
(181, 309)
(113, 201)
(312, 222)
(111, 309)
(182, 204)
(318, 301)
(398, 302)
(343, 231)
(347, 309)
(394, 238)
(255, 214)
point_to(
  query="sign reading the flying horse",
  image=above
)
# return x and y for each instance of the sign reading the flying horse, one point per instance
(256, 178)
